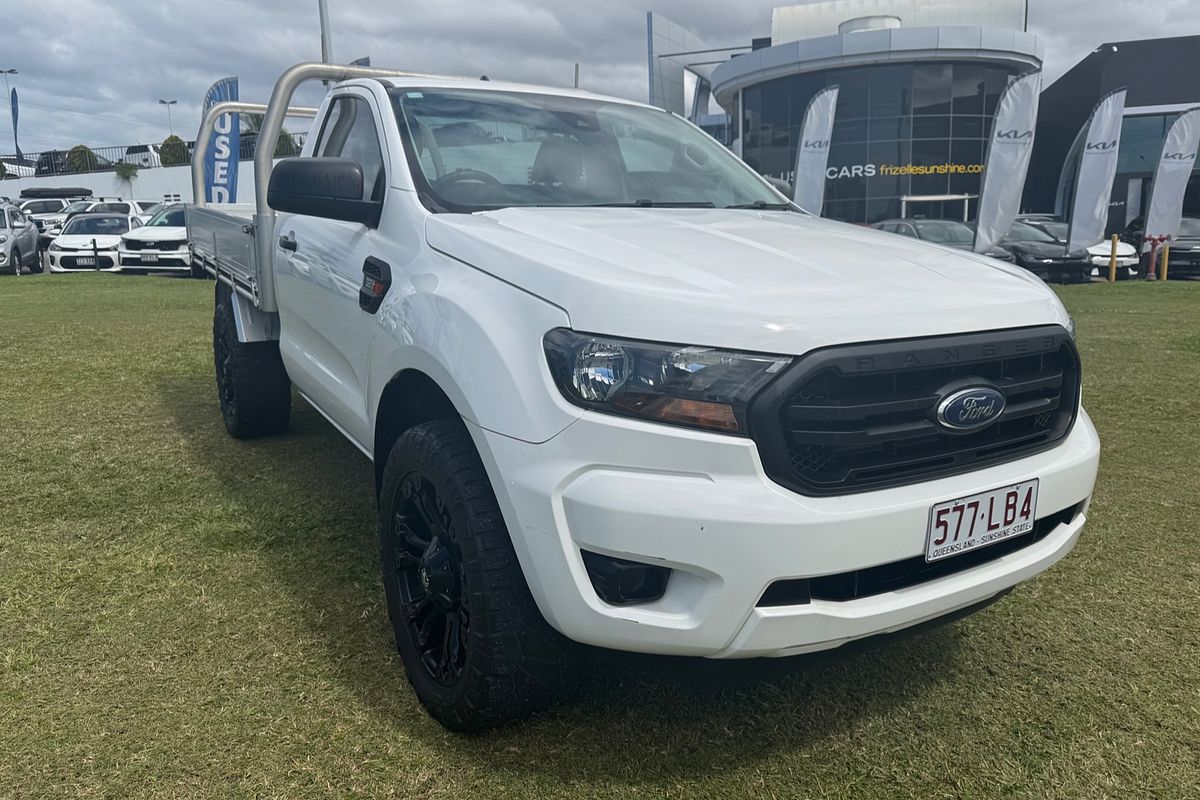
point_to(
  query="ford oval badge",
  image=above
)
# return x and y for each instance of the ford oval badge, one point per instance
(970, 409)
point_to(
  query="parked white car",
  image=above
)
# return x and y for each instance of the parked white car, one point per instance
(619, 390)
(143, 155)
(18, 241)
(160, 245)
(89, 242)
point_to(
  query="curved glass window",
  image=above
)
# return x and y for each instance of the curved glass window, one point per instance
(902, 131)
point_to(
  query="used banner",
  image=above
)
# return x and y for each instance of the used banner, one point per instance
(812, 151)
(1007, 160)
(221, 163)
(1097, 169)
(1175, 166)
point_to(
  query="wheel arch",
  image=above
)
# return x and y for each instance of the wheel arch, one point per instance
(409, 398)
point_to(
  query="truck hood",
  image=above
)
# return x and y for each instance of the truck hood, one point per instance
(83, 241)
(768, 281)
(158, 233)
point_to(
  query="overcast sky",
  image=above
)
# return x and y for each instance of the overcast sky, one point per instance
(93, 71)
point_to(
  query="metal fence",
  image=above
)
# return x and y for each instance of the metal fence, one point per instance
(81, 159)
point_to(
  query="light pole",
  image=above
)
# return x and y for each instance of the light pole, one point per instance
(168, 104)
(326, 37)
(8, 99)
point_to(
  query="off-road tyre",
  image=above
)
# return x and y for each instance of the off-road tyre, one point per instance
(503, 662)
(252, 385)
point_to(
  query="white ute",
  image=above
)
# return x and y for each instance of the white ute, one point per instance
(619, 391)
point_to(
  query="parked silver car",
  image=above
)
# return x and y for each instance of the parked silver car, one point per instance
(18, 241)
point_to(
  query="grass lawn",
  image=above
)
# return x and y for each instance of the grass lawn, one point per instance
(184, 615)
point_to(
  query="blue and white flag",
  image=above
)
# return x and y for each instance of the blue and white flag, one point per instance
(812, 151)
(1007, 160)
(17, 147)
(1175, 165)
(1100, 144)
(221, 159)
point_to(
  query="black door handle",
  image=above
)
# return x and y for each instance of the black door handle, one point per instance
(377, 279)
(288, 242)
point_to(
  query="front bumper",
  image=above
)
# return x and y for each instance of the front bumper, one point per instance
(154, 260)
(67, 260)
(702, 505)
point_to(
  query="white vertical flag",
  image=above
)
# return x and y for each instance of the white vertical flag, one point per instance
(812, 151)
(1097, 169)
(1007, 160)
(1175, 166)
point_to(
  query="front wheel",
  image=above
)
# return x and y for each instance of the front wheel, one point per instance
(476, 649)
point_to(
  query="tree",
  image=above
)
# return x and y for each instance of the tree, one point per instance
(285, 146)
(173, 152)
(80, 158)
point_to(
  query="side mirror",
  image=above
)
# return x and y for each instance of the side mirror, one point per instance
(331, 188)
(782, 186)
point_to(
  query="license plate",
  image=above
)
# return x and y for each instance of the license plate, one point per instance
(969, 523)
(85, 262)
(150, 258)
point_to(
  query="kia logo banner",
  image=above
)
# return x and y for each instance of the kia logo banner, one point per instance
(812, 154)
(221, 162)
(1007, 160)
(1097, 169)
(1171, 177)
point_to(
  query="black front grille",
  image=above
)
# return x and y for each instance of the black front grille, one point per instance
(902, 574)
(166, 246)
(72, 262)
(856, 418)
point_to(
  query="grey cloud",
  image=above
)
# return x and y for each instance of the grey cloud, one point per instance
(109, 62)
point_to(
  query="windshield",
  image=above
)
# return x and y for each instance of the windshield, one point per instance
(1057, 230)
(945, 232)
(167, 218)
(473, 150)
(1022, 232)
(1190, 227)
(97, 226)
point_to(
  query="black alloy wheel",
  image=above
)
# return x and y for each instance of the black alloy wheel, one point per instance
(430, 580)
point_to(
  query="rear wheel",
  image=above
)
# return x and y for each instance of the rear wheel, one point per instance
(252, 384)
(35, 266)
(476, 649)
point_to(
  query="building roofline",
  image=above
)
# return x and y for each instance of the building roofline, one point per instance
(1017, 48)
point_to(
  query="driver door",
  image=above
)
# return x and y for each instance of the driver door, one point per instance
(319, 262)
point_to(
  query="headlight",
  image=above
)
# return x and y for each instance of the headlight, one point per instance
(1071, 327)
(55, 246)
(698, 387)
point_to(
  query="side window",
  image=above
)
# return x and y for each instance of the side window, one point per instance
(906, 230)
(17, 217)
(349, 132)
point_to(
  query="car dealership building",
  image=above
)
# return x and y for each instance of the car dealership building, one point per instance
(919, 83)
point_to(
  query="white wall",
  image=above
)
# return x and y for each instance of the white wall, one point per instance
(151, 183)
(822, 17)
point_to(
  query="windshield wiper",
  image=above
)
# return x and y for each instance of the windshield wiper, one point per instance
(763, 205)
(644, 203)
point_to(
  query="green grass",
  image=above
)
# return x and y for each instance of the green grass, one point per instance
(183, 615)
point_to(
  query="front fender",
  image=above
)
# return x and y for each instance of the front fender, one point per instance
(480, 340)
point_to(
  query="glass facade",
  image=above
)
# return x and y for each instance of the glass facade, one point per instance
(915, 129)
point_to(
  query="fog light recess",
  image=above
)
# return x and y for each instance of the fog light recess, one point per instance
(620, 582)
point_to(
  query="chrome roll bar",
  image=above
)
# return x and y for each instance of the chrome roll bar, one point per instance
(209, 123)
(274, 113)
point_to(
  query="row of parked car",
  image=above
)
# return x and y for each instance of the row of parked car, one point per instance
(90, 234)
(1038, 242)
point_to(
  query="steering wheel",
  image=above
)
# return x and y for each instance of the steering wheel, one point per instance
(466, 176)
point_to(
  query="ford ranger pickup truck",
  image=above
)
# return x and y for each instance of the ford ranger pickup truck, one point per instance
(621, 392)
